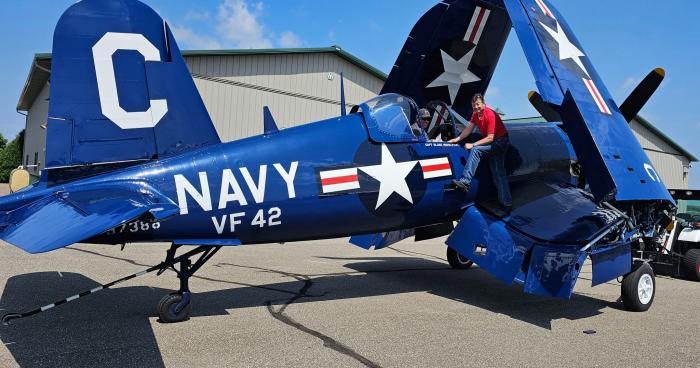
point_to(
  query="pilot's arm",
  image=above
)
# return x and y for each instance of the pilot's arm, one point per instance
(465, 133)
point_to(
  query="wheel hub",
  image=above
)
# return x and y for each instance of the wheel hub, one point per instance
(645, 289)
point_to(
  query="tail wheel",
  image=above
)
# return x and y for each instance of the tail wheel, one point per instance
(691, 264)
(170, 309)
(639, 288)
(458, 261)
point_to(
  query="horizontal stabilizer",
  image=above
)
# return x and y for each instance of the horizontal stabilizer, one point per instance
(64, 218)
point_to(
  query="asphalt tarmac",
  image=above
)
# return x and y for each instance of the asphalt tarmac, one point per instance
(328, 303)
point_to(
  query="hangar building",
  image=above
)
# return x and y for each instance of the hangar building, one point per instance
(299, 86)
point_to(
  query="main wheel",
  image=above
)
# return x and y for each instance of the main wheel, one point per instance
(639, 288)
(691, 264)
(167, 309)
(458, 261)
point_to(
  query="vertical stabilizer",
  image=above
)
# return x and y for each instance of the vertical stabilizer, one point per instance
(120, 89)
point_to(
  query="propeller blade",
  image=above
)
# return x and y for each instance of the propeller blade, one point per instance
(545, 109)
(641, 94)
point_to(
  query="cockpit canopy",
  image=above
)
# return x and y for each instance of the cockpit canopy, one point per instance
(392, 118)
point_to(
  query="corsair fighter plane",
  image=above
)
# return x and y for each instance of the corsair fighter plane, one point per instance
(132, 156)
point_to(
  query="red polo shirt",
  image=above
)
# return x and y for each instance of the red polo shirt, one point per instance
(490, 123)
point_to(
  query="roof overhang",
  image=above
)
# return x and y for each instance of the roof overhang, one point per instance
(40, 72)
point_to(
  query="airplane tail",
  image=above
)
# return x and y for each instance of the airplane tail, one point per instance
(451, 54)
(120, 89)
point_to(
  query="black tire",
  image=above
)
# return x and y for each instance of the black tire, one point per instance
(691, 264)
(458, 261)
(638, 289)
(166, 309)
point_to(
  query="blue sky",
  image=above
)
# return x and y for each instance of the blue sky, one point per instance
(624, 39)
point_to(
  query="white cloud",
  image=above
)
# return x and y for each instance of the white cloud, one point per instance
(629, 82)
(187, 37)
(289, 39)
(238, 24)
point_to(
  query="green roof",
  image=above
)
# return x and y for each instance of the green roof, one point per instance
(644, 122)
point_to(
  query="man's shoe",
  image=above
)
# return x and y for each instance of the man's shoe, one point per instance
(461, 185)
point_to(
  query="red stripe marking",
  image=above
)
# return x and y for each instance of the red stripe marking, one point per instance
(477, 24)
(544, 8)
(339, 180)
(597, 96)
(439, 119)
(436, 167)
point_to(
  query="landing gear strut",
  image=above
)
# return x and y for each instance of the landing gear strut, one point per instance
(176, 307)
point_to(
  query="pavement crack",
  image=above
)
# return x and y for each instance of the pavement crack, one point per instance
(328, 341)
(281, 316)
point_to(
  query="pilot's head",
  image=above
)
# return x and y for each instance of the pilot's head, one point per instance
(424, 116)
(478, 103)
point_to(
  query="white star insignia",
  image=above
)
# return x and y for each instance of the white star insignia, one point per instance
(391, 176)
(456, 73)
(567, 50)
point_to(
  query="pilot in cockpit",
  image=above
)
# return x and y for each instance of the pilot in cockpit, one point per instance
(421, 123)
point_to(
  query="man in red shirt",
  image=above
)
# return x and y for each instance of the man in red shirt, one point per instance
(493, 145)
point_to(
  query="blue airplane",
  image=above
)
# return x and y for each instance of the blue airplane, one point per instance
(132, 156)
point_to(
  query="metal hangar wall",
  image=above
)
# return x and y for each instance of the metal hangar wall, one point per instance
(299, 86)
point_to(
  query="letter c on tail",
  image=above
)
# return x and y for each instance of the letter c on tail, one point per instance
(102, 53)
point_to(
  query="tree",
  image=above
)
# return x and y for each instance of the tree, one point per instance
(11, 156)
(3, 142)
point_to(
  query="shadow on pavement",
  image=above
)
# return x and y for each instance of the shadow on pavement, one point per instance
(112, 328)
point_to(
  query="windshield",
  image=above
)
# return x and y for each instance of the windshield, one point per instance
(394, 115)
(689, 207)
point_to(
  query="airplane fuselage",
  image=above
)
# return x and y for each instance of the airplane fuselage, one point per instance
(316, 181)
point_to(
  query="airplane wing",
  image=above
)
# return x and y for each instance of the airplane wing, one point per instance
(613, 162)
(451, 54)
(545, 252)
(64, 218)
